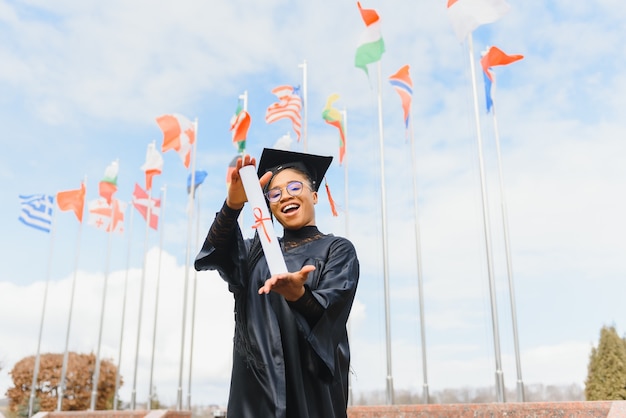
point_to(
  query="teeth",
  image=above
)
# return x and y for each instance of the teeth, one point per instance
(288, 207)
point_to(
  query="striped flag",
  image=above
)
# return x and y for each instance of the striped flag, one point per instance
(492, 57)
(288, 106)
(467, 15)
(179, 134)
(37, 211)
(333, 117)
(108, 184)
(401, 81)
(371, 45)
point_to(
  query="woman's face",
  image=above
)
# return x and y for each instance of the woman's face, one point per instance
(293, 212)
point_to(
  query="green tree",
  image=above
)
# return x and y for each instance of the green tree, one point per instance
(606, 372)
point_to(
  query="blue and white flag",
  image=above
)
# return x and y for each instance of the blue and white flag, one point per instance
(37, 211)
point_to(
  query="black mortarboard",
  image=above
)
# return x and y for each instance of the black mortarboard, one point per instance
(276, 160)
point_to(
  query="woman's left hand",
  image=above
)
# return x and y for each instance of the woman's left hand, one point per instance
(289, 285)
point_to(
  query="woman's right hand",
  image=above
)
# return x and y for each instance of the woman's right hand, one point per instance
(236, 193)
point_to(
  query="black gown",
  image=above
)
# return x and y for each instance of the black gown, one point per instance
(290, 359)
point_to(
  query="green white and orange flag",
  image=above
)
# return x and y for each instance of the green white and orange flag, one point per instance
(239, 124)
(371, 45)
(333, 117)
(108, 184)
(73, 200)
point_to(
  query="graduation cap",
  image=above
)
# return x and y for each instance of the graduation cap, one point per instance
(275, 160)
(315, 166)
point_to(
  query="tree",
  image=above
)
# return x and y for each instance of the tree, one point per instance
(606, 372)
(78, 387)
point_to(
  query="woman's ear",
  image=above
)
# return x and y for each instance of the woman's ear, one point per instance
(315, 198)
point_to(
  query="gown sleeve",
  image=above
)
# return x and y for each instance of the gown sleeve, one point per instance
(220, 249)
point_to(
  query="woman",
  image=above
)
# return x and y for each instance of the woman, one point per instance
(291, 356)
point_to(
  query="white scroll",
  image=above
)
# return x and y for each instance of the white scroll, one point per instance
(262, 221)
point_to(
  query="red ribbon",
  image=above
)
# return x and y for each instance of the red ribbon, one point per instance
(260, 221)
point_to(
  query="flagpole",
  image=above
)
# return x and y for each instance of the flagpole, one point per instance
(492, 291)
(193, 303)
(179, 397)
(156, 297)
(116, 397)
(133, 397)
(418, 252)
(31, 400)
(96, 373)
(383, 200)
(304, 100)
(509, 264)
(69, 318)
(344, 114)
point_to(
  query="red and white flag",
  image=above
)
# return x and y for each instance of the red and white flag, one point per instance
(142, 202)
(288, 106)
(179, 134)
(105, 216)
(153, 165)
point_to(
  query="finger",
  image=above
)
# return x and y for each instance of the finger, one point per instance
(265, 178)
(307, 269)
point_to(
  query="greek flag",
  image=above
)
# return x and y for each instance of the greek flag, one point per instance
(37, 211)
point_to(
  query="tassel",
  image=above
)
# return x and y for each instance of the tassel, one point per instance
(333, 208)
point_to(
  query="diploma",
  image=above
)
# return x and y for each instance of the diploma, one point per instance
(262, 221)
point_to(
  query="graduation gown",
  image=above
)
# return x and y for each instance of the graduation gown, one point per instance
(290, 359)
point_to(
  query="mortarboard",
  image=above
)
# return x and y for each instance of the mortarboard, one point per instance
(276, 160)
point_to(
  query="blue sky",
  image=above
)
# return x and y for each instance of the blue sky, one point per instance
(81, 84)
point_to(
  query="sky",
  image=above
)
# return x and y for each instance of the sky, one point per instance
(82, 83)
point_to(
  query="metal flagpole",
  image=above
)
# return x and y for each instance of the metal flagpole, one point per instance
(69, 318)
(509, 264)
(133, 397)
(193, 303)
(418, 251)
(31, 400)
(96, 373)
(179, 395)
(156, 297)
(492, 290)
(304, 105)
(344, 114)
(118, 375)
(383, 204)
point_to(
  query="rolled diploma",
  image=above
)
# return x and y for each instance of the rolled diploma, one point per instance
(262, 221)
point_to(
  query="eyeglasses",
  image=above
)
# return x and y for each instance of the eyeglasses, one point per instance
(294, 188)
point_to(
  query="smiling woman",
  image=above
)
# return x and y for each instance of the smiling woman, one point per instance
(291, 355)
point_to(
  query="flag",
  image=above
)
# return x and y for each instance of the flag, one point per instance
(333, 117)
(37, 211)
(179, 134)
(494, 56)
(106, 216)
(401, 81)
(239, 124)
(197, 180)
(141, 201)
(108, 184)
(467, 15)
(153, 165)
(371, 45)
(73, 200)
(288, 106)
